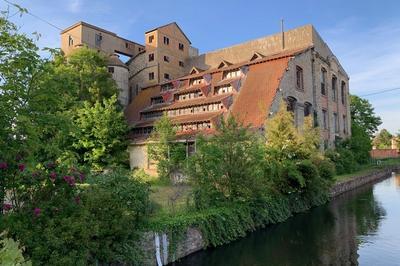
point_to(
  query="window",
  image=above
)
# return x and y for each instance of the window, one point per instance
(151, 75)
(343, 92)
(151, 38)
(151, 57)
(336, 122)
(126, 45)
(325, 119)
(137, 89)
(231, 74)
(70, 41)
(166, 40)
(181, 46)
(299, 78)
(156, 100)
(344, 124)
(196, 81)
(323, 81)
(166, 76)
(334, 88)
(166, 58)
(98, 38)
(291, 104)
(307, 109)
(130, 94)
(181, 64)
(110, 69)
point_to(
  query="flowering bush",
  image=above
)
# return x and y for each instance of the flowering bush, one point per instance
(61, 220)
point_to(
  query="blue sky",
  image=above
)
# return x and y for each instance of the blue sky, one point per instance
(364, 35)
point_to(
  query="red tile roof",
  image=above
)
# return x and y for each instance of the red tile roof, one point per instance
(258, 91)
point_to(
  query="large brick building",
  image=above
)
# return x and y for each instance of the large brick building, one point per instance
(248, 80)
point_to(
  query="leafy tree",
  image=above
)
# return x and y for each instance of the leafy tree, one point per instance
(100, 137)
(383, 140)
(363, 115)
(163, 148)
(228, 166)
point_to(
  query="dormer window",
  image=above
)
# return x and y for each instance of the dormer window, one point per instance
(196, 81)
(223, 89)
(231, 74)
(167, 87)
(157, 100)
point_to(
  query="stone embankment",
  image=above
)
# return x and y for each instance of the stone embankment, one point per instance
(156, 245)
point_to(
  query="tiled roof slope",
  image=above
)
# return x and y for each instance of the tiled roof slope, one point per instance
(258, 91)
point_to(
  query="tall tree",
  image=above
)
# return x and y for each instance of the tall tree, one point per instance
(383, 140)
(163, 148)
(363, 115)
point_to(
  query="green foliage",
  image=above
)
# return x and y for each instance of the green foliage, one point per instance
(11, 253)
(383, 140)
(227, 167)
(62, 221)
(100, 139)
(163, 148)
(363, 115)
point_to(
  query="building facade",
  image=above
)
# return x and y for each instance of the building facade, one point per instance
(247, 80)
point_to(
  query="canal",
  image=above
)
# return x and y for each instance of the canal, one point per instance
(361, 227)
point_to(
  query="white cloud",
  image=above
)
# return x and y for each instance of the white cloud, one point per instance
(75, 6)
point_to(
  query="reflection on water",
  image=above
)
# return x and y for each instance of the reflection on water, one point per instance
(359, 227)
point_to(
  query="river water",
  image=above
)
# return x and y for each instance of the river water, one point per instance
(360, 227)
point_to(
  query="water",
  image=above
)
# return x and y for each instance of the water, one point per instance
(361, 227)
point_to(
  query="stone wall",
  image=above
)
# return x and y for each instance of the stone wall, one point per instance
(156, 245)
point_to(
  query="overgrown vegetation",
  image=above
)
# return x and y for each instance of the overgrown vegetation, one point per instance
(59, 115)
(350, 154)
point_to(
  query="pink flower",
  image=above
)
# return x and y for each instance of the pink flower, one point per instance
(81, 176)
(21, 167)
(53, 176)
(70, 180)
(37, 211)
(3, 165)
(77, 200)
(7, 206)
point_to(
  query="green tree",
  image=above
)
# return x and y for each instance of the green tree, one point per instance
(383, 140)
(228, 167)
(363, 115)
(100, 138)
(163, 148)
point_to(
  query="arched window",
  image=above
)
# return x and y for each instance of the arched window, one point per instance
(307, 109)
(291, 104)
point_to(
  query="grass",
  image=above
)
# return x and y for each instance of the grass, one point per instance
(169, 198)
(369, 168)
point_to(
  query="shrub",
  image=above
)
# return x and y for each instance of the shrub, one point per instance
(64, 221)
(11, 252)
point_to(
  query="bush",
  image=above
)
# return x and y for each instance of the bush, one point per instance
(64, 221)
(11, 252)
(326, 168)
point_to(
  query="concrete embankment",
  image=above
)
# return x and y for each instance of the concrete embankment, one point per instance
(156, 245)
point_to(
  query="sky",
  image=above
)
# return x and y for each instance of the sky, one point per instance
(364, 35)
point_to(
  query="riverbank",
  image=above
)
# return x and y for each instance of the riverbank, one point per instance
(163, 248)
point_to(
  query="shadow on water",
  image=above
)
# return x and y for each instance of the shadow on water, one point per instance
(326, 235)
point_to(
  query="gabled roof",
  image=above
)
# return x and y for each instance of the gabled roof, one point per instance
(195, 70)
(256, 56)
(170, 24)
(224, 63)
